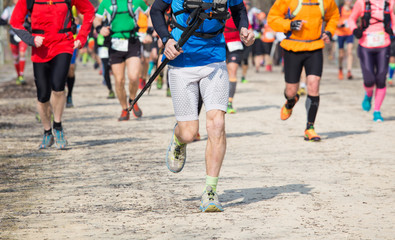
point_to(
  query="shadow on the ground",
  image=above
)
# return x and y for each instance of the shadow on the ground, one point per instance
(253, 195)
(392, 118)
(242, 134)
(155, 117)
(337, 134)
(90, 119)
(256, 108)
(100, 142)
(98, 104)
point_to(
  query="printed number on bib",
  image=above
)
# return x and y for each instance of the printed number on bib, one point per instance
(376, 39)
(120, 44)
(103, 52)
(234, 46)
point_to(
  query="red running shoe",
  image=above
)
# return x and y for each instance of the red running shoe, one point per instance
(124, 115)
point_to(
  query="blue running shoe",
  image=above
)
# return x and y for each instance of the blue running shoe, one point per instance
(367, 103)
(60, 141)
(377, 116)
(69, 102)
(176, 154)
(47, 141)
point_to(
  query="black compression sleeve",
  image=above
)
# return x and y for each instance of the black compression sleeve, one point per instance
(239, 15)
(157, 13)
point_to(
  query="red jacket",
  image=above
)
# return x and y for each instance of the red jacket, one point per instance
(231, 33)
(51, 18)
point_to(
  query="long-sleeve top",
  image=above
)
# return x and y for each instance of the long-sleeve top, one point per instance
(309, 37)
(374, 36)
(51, 18)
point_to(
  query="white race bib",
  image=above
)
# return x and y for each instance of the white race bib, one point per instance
(103, 52)
(269, 35)
(120, 44)
(375, 39)
(234, 46)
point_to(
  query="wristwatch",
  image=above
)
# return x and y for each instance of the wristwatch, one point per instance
(165, 39)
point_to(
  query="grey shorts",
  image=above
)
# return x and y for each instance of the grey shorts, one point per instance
(211, 81)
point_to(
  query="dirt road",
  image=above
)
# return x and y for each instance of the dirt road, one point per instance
(112, 183)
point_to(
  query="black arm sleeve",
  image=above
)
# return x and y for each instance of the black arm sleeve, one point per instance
(25, 36)
(239, 15)
(157, 13)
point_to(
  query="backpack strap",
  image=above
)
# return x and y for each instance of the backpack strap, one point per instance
(295, 12)
(114, 11)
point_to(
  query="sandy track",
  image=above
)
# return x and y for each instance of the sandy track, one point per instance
(113, 184)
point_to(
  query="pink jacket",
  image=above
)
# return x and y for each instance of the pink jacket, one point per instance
(374, 36)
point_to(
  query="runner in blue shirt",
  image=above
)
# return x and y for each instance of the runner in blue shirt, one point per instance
(199, 68)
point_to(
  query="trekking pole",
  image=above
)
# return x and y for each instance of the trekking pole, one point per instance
(183, 39)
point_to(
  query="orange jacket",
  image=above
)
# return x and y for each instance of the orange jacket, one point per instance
(309, 37)
(344, 31)
(268, 34)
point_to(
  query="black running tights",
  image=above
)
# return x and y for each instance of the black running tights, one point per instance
(51, 76)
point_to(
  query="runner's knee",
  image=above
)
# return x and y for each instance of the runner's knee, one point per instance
(215, 124)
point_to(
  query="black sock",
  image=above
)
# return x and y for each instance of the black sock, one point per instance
(232, 89)
(70, 85)
(57, 125)
(291, 101)
(48, 132)
(312, 103)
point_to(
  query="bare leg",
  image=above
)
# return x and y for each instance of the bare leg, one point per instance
(216, 142)
(119, 75)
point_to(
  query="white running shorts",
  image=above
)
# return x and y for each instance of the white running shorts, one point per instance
(185, 83)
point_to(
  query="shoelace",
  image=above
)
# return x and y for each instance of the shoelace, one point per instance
(210, 196)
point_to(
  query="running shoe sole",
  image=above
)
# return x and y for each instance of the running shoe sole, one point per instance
(212, 207)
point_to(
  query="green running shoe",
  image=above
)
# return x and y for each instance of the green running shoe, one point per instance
(60, 141)
(159, 82)
(210, 202)
(168, 93)
(230, 108)
(243, 80)
(20, 80)
(176, 154)
(47, 142)
(111, 95)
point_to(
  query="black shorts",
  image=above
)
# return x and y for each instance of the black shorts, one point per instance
(235, 56)
(392, 52)
(294, 62)
(258, 48)
(134, 50)
(267, 47)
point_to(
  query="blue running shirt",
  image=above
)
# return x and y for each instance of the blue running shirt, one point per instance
(199, 51)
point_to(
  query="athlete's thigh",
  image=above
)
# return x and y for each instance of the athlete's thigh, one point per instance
(214, 87)
(293, 65)
(59, 70)
(133, 66)
(314, 63)
(118, 69)
(184, 92)
(42, 79)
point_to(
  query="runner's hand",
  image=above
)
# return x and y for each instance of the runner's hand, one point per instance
(147, 39)
(105, 31)
(170, 50)
(326, 36)
(77, 44)
(247, 36)
(296, 25)
(38, 41)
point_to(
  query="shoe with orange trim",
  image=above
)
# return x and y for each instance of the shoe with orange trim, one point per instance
(340, 76)
(349, 75)
(137, 113)
(197, 138)
(269, 68)
(124, 115)
(311, 136)
(142, 83)
(285, 112)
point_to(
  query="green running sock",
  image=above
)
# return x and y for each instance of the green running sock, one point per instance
(212, 181)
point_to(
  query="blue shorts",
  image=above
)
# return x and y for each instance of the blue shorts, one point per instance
(342, 39)
(74, 57)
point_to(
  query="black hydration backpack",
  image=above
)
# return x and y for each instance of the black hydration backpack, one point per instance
(367, 15)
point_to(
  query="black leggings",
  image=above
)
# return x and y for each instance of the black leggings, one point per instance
(374, 65)
(106, 72)
(51, 76)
